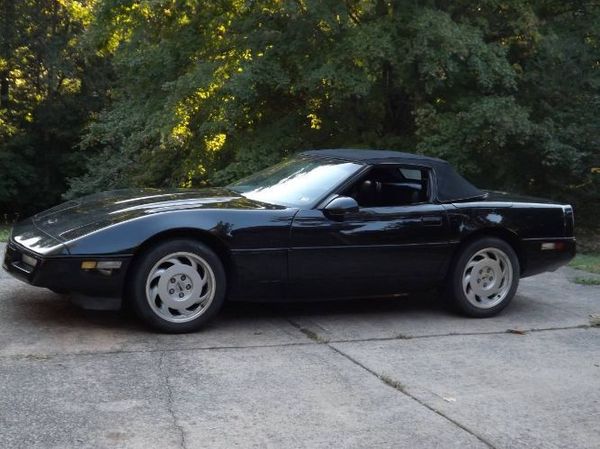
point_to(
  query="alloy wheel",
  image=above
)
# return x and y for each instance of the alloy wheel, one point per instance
(487, 278)
(180, 287)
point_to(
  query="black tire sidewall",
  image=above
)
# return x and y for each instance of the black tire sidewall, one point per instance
(455, 284)
(141, 269)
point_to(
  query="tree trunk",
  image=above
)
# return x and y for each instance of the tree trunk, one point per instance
(7, 13)
(4, 87)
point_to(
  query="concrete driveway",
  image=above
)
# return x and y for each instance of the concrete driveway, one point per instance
(362, 374)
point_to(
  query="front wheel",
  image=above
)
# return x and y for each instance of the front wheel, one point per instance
(178, 286)
(484, 277)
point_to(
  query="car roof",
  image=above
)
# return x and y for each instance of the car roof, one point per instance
(374, 156)
(450, 185)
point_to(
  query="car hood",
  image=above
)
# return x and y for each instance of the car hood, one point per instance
(104, 209)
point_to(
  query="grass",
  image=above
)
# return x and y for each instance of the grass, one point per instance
(4, 231)
(587, 262)
(586, 281)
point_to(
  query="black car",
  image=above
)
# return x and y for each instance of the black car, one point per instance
(323, 224)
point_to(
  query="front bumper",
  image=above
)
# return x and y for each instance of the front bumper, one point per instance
(64, 273)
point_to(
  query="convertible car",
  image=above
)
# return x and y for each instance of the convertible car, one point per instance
(322, 224)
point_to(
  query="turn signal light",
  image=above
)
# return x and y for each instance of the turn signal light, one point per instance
(101, 265)
(31, 261)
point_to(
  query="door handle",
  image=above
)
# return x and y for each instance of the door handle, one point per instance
(431, 221)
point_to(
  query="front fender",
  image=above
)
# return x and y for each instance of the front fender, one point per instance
(236, 229)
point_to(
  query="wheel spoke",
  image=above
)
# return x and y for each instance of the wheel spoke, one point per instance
(492, 292)
(471, 295)
(203, 282)
(179, 307)
(158, 273)
(471, 264)
(474, 261)
(495, 267)
(466, 282)
(204, 297)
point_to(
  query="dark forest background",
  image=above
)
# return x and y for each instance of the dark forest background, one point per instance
(105, 94)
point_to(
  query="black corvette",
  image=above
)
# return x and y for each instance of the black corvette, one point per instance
(323, 224)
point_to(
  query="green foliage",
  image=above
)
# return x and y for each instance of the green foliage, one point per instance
(586, 281)
(192, 93)
(50, 88)
(4, 233)
(587, 262)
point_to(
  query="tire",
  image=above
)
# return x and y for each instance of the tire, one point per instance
(484, 277)
(172, 295)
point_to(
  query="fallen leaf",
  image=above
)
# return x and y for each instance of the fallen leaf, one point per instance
(516, 331)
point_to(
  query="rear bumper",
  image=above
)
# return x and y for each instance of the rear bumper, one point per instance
(64, 272)
(539, 260)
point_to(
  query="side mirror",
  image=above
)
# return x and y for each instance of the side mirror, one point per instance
(340, 206)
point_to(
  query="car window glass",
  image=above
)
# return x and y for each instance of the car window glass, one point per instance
(389, 186)
(411, 173)
(296, 182)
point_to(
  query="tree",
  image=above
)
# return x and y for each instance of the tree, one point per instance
(49, 88)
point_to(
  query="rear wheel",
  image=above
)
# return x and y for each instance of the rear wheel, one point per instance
(484, 277)
(178, 286)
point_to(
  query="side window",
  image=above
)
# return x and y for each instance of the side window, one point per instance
(388, 186)
(413, 174)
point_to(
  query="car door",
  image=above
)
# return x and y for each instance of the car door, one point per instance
(377, 250)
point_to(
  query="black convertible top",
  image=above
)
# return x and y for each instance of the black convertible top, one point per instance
(450, 185)
(372, 156)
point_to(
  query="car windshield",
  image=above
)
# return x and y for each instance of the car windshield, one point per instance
(296, 182)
